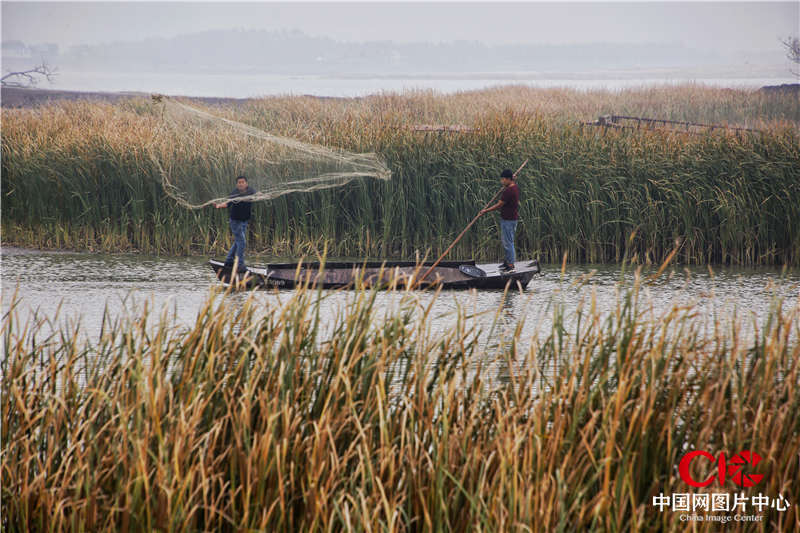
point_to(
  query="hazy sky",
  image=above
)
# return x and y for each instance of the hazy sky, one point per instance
(715, 25)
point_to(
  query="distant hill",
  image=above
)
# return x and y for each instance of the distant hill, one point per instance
(293, 52)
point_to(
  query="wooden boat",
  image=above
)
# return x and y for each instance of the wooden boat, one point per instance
(450, 274)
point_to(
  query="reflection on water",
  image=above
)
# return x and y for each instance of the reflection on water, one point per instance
(68, 287)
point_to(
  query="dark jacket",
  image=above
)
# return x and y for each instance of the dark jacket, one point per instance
(240, 210)
(510, 198)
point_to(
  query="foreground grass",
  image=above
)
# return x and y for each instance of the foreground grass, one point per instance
(283, 420)
(81, 176)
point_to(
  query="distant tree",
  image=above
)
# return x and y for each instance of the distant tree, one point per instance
(30, 77)
(792, 46)
(17, 47)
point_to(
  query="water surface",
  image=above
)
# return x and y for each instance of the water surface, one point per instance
(254, 85)
(67, 288)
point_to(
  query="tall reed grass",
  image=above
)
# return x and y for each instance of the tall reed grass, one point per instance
(79, 175)
(283, 420)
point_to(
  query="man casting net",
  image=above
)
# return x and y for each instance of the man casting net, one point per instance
(203, 152)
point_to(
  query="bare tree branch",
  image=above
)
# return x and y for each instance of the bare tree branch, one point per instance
(30, 77)
(792, 46)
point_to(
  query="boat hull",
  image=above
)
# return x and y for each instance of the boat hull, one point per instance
(450, 275)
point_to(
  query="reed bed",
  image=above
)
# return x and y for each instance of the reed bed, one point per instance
(80, 176)
(279, 420)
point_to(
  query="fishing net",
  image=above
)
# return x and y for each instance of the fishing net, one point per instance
(199, 156)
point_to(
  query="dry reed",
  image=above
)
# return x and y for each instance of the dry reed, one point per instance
(279, 419)
(78, 175)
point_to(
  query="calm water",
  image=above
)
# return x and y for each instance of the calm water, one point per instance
(71, 287)
(246, 85)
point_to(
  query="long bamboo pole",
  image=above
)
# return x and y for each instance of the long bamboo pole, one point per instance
(494, 198)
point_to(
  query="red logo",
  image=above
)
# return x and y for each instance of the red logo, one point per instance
(733, 468)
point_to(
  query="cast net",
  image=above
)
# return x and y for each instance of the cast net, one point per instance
(200, 154)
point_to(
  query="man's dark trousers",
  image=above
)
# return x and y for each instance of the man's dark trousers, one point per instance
(239, 230)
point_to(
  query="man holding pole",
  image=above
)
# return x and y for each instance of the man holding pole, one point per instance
(509, 215)
(512, 201)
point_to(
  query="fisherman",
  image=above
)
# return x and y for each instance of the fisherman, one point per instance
(239, 215)
(509, 214)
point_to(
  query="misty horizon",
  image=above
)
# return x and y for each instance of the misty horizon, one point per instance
(292, 51)
(507, 41)
(710, 25)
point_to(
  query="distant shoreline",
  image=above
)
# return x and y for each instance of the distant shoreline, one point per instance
(13, 97)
